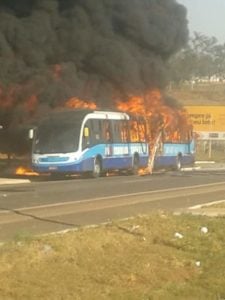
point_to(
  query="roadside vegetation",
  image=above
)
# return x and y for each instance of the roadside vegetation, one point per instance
(200, 61)
(159, 256)
(198, 93)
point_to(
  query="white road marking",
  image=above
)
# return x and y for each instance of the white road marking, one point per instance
(115, 196)
(137, 180)
(206, 204)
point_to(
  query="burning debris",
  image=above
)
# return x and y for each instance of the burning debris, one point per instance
(25, 171)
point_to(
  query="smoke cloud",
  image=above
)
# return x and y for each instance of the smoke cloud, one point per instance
(51, 50)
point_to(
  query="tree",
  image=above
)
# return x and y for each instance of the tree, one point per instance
(203, 57)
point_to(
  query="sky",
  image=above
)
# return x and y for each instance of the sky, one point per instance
(206, 17)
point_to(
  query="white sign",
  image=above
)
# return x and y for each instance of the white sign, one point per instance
(215, 135)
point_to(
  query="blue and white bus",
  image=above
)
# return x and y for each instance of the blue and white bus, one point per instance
(175, 153)
(89, 142)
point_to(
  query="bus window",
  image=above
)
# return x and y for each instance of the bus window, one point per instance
(133, 131)
(106, 131)
(86, 136)
(138, 130)
(116, 129)
(142, 131)
(94, 137)
(124, 131)
(120, 131)
(96, 131)
(86, 132)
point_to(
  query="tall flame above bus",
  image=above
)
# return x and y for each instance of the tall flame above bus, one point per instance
(173, 121)
(75, 103)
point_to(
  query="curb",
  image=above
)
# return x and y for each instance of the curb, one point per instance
(205, 162)
(208, 209)
(5, 181)
(209, 212)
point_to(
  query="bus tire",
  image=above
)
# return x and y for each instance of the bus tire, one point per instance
(135, 165)
(178, 163)
(97, 168)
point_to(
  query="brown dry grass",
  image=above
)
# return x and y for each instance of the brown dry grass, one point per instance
(200, 94)
(217, 205)
(132, 259)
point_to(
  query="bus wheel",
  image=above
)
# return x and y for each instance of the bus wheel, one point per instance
(178, 163)
(97, 168)
(135, 166)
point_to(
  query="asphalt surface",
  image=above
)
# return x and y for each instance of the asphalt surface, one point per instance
(199, 166)
(41, 216)
(204, 166)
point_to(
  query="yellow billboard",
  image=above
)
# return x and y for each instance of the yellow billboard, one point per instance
(207, 118)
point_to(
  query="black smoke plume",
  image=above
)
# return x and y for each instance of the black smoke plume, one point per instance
(51, 50)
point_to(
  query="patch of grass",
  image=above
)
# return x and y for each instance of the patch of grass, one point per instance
(199, 94)
(217, 205)
(216, 154)
(134, 259)
(23, 236)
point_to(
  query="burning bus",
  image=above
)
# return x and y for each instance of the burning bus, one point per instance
(94, 142)
(105, 52)
(90, 142)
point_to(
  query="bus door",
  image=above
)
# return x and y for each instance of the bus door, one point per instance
(107, 140)
(138, 133)
(115, 134)
(120, 138)
(93, 141)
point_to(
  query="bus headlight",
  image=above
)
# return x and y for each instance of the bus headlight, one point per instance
(34, 160)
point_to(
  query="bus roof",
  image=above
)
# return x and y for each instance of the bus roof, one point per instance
(77, 116)
(111, 114)
(71, 115)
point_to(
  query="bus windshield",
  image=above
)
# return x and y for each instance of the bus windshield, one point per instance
(56, 138)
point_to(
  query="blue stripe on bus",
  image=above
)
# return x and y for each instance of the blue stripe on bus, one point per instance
(87, 165)
(172, 149)
(170, 161)
(54, 159)
(122, 160)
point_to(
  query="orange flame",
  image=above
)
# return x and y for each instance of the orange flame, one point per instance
(25, 171)
(7, 99)
(173, 121)
(31, 103)
(57, 71)
(164, 123)
(78, 103)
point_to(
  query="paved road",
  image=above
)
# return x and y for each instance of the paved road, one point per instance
(39, 206)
